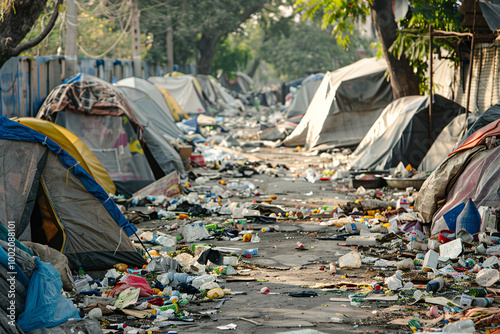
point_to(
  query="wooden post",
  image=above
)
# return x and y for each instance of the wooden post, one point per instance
(170, 46)
(469, 79)
(430, 83)
(70, 46)
(136, 40)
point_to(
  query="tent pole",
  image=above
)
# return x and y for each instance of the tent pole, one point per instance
(143, 245)
(469, 79)
(430, 82)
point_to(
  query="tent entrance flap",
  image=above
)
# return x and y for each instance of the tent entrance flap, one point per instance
(46, 227)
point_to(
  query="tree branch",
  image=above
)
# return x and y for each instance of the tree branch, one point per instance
(35, 41)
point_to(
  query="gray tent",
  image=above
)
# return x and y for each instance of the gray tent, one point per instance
(345, 106)
(444, 144)
(401, 133)
(151, 90)
(159, 131)
(306, 92)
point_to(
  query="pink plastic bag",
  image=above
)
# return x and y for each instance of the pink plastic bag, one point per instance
(135, 282)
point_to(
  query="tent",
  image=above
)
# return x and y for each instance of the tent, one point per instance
(52, 200)
(75, 147)
(346, 104)
(444, 144)
(301, 102)
(160, 132)
(161, 96)
(490, 115)
(401, 133)
(184, 91)
(101, 117)
(151, 90)
(237, 82)
(209, 91)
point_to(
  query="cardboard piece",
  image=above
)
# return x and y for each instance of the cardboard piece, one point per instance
(169, 186)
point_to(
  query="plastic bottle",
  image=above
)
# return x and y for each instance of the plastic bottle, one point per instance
(270, 229)
(172, 306)
(81, 273)
(200, 280)
(482, 301)
(117, 326)
(463, 326)
(478, 292)
(435, 284)
(251, 252)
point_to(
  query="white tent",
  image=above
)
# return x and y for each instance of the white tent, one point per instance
(184, 91)
(346, 104)
(305, 95)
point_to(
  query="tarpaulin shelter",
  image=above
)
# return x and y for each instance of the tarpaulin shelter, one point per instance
(346, 104)
(100, 116)
(52, 200)
(401, 133)
(184, 91)
(490, 115)
(75, 147)
(444, 144)
(160, 132)
(307, 89)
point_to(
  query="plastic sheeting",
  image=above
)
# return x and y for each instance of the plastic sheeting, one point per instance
(159, 131)
(401, 134)
(491, 12)
(444, 144)
(184, 91)
(480, 181)
(305, 95)
(490, 115)
(345, 106)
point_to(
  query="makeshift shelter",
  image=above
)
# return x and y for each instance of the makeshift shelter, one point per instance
(237, 82)
(184, 91)
(401, 133)
(490, 115)
(151, 90)
(160, 132)
(209, 91)
(52, 200)
(444, 144)
(345, 106)
(301, 102)
(75, 147)
(100, 116)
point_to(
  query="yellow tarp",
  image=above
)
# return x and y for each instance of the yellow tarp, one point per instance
(176, 109)
(75, 147)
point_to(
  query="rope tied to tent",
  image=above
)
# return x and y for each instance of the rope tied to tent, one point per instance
(120, 241)
(67, 171)
(57, 154)
(45, 141)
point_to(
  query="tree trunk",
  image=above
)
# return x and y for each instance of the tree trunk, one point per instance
(254, 68)
(404, 82)
(17, 20)
(207, 46)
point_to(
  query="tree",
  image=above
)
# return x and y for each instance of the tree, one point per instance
(17, 18)
(203, 24)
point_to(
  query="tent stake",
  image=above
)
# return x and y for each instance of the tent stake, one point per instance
(150, 257)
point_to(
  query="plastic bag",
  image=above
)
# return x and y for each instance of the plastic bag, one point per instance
(45, 305)
(134, 282)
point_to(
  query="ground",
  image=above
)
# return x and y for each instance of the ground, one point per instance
(283, 268)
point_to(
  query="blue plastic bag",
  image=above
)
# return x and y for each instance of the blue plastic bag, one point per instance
(469, 219)
(45, 305)
(451, 216)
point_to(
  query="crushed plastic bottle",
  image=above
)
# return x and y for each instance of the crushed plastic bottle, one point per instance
(462, 326)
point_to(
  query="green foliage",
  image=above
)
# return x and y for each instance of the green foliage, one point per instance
(230, 57)
(412, 40)
(413, 37)
(341, 14)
